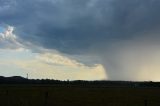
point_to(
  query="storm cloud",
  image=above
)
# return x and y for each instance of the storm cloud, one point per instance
(122, 34)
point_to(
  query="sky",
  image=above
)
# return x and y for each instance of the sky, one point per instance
(80, 39)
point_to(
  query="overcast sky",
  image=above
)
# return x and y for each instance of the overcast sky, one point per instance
(80, 39)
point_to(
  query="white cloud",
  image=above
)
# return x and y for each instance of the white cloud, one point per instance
(8, 40)
(8, 34)
(52, 58)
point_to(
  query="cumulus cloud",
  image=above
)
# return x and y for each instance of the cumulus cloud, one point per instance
(9, 40)
(8, 34)
(120, 34)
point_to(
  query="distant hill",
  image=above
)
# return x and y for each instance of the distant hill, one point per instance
(104, 83)
(16, 78)
(12, 78)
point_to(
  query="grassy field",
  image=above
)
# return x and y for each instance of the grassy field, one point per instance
(28, 95)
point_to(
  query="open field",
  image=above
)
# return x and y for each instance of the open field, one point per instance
(34, 95)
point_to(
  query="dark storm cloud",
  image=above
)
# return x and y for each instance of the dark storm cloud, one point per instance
(98, 27)
(73, 25)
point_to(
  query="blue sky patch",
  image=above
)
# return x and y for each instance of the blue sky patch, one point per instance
(1, 29)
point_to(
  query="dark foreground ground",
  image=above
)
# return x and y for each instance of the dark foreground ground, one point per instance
(47, 95)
